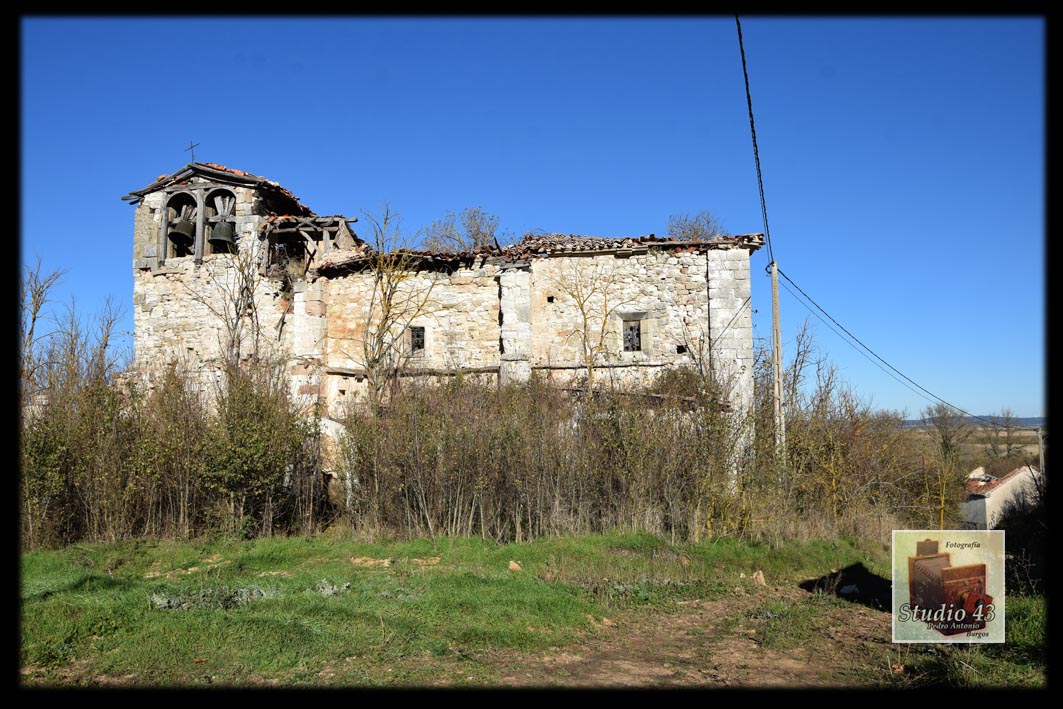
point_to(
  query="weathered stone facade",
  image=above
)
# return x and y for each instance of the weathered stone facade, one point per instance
(302, 289)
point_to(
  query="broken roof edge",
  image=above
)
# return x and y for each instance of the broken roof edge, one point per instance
(361, 257)
(218, 172)
(544, 247)
(542, 243)
(983, 487)
(273, 220)
(191, 169)
(572, 243)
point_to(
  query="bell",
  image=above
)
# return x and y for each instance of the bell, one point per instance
(182, 232)
(222, 235)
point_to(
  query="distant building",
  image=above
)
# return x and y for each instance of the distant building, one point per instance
(988, 497)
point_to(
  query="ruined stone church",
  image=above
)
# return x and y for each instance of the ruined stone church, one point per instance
(231, 265)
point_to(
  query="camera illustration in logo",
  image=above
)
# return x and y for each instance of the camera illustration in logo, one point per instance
(950, 599)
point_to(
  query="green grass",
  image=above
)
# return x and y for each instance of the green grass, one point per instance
(220, 610)
(315, 611)
(785, 624)
(1019, 662)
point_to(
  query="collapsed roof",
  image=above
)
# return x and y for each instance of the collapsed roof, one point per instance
(287, 213)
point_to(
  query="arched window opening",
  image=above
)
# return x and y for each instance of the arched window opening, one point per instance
(221, 228)
(181, 225)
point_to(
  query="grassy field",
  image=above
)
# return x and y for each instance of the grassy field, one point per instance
(329, 611)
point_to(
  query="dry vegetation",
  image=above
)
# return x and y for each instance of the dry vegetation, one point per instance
(102, 460)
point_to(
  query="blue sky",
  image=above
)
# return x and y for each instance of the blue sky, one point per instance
(902, 157)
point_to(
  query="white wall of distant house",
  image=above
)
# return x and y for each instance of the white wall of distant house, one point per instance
(985, 512)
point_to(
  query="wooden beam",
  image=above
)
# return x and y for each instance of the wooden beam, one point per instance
(301, 227)
(604, 365)
(414, 372)
(312, 244)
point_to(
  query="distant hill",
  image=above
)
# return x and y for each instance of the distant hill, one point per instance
(1021, 422)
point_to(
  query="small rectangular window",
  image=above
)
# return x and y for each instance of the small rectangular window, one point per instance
(632, 336)
(416, 340)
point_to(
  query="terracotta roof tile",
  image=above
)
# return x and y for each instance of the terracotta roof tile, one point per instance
(986, 484)
(567, 243)
(182, 175)
(532, 246)
(234, 171)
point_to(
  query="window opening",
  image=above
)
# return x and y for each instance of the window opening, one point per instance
(632, 336)
(181, 229)
(416, 340)
(220, 218)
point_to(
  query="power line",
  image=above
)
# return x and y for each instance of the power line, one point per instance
(857, 340)
(848, 342)
(753, 132)
(776, 336)
(771, 254)
(715, 340)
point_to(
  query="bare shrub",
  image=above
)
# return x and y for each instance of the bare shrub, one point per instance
(101, 459)
(1025, 521)
(849, 469)
(252, 447)
(702, 226)
(171, 456)
(77, 433)
(472, 228)
(521, 461)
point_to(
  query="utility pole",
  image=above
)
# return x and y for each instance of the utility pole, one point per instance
(1041, 447)
(776, 337)
(776, 365)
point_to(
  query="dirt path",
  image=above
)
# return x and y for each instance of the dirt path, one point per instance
(712, 644)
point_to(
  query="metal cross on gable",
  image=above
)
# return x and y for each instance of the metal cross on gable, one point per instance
(190, 149)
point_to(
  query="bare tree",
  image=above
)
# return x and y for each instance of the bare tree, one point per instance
(1001, 442)
(700, 227)
(470, 229)
(593, 294)
(398, 297)
(944, 476)
(34, 296)
(74, 444)
(698, 347)
(235, 279)
(949, 427)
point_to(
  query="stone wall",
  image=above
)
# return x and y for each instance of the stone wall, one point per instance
(548, 316)
(182, 312)
(502, 317)
(459, 314)
(545, 307)
(579, 304)
(181, 308)
(731, 322)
